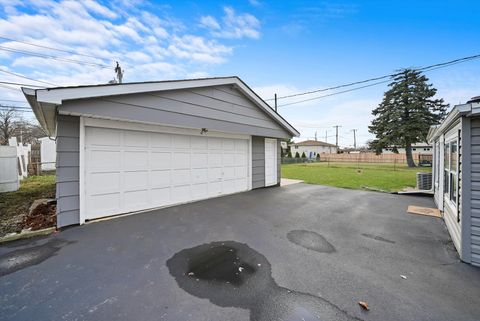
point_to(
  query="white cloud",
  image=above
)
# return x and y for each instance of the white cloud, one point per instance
(209, 22)
(233, 26)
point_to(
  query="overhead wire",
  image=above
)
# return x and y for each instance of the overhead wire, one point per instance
(21, 76)
(426, 68)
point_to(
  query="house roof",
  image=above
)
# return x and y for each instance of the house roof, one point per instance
(44, 102)
(471, 108)
(314, 143)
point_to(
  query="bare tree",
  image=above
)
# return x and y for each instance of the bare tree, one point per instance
(7, 124)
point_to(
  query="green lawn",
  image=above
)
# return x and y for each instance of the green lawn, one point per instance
(14, 205)
(383, 177)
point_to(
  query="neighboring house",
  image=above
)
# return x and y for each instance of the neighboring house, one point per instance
(456, 176)
(48, 153)
(312, 148)
(125, 148)
(419, 148)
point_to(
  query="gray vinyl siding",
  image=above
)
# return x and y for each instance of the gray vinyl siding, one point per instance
(68, 156)
(258, 162)
(474, 208)
(220, 108)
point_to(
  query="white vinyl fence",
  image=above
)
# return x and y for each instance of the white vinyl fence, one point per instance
(9, 178)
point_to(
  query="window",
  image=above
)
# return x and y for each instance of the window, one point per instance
(451, 171)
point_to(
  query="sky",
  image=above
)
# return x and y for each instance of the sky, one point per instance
(282, 47)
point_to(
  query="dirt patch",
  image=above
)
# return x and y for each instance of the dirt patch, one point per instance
(43, 216)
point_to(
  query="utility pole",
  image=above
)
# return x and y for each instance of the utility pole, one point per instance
(354, 139)
(275, 102)
(336, 135)
(315, 135)
(326, 136)
(119, 72)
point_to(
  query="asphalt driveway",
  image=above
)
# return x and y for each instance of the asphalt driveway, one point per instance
(300, 252)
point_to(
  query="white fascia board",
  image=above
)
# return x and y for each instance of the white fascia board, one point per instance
(457, 112)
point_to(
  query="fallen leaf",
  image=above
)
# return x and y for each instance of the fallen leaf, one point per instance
(364, 305)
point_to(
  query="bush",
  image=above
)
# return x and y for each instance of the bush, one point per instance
(289, 154)
(318, 157)
(303, 155)
(297, 155)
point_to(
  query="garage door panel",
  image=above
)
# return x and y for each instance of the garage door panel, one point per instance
(214, 143)
(103, 205)
(228, 145)
(136, 200)
(135, 180)
(180, 177)
(214, 188)
(103, 160)
(229, 173)
(160, 196)
(199, 160)
(214, 159)
(228, 159)
(215, 174)
(181, 160)
(199, 175)
(135, 139)
(135, 160)
(199, 142)
(160, 160)
(158, 140)
(102, 183)
(160, 178)
(129, 170)
(103, 136)
(200, 191)
(181, 141)
(180, 193)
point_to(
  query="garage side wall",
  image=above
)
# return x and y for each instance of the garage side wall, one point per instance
(68, 161)
(258, 162)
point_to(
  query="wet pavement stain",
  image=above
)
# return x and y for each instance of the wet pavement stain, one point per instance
(19, 259)
(311, 241)
(231, 274)
(378, 238)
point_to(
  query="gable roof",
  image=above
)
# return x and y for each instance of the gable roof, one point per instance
(45, 101)
(313, 143)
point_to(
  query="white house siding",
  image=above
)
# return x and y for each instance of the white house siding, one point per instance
(312, 149)
(475, 191)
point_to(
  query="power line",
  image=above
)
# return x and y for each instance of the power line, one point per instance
(336, 93)
(36, 54)
(52, 48)
(19, 84)
(427, 68)
(21, 76)
(13, 101)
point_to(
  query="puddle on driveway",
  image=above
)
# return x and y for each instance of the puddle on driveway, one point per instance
(311, 241)
(25, 257)
(232, 274)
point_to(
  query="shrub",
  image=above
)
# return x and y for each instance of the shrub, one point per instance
(318, 157)
(303, 155)
(297, 155)
(289, 154)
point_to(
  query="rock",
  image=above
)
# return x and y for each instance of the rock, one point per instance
(38, 206)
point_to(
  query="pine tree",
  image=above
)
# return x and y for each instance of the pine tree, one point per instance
(303, 155)
(406, 113)
(297, 155)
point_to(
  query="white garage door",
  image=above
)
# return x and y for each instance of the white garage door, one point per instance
(129, 170)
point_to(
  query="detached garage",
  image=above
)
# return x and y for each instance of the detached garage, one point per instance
(125, 148)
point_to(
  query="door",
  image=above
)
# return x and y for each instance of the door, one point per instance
(270, 162)
(128, 171)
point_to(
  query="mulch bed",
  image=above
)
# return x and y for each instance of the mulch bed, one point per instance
(42, 217)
